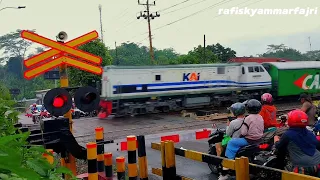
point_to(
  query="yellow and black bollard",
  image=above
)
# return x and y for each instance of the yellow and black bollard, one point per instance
(142, 158)
(49, 157)
(100, 148)
(108, 165)
(163, 161)
(170, 160)
(120, 162)
(92, 161)
(132, 157)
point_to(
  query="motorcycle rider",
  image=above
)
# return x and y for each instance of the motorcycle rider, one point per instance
(301, 145)
(308, 108)
(268, 111)
(251, 132)
(34, 108)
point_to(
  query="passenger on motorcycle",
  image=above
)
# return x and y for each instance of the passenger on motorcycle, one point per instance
(308, 108)
(301, 145)
(251, 132)
(268, 111)
(233, 129)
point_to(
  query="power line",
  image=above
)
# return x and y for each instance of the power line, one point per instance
(174, 5)
(210, 7)
(200, 11)
(184, 7)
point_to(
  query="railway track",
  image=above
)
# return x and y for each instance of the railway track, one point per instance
(153, 129)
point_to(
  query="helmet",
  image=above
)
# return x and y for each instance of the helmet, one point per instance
(297, 118)
(34, 104)
(238, 109)
(253, 106)
(266, 98)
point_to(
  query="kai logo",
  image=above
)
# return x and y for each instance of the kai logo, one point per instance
(307, 82)
(191, 76)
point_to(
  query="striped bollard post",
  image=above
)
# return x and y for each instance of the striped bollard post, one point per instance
(100, 149)
(163, 160)
(142, 158)
(170, 160)
(132, 157)
(120, 163)
(108, 165)
(92, 161)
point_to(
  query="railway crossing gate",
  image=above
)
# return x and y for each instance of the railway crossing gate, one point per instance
(58, 101)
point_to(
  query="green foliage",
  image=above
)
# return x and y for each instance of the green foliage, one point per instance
(224, 54)
(288, 53)
(82, 78)
(313, 55)
(282, 51)
(16, 160)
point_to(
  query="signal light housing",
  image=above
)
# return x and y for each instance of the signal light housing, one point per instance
(87, 99)
(57, 101)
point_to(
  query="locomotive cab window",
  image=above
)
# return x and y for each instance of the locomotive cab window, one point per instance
(261, 69)
(243, 70)
(221, 70)
(158, 77)
(250, 69)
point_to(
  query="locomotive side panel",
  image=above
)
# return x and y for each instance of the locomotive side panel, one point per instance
(139, 83)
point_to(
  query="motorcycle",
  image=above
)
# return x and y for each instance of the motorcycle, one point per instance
(251, 151)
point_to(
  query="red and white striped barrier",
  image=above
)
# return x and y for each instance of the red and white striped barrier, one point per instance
(179, 136)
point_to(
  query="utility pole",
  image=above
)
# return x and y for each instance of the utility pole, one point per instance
(309, 42)
(117, 60)
(147, 15)
(204, 49)
(100, 8)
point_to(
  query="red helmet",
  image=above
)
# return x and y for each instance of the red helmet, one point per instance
(34, 104)
(266, 98)
(297, 118)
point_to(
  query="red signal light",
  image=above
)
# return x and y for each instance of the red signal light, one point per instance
(58, 102)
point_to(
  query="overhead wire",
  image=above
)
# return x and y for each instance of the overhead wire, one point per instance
(173, 5)
(205, 9)
(200, 11)
(185, 7)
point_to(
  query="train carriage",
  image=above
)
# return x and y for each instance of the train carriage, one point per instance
(145, 89)
(294, 78)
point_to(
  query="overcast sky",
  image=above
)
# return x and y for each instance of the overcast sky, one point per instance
(247, 35)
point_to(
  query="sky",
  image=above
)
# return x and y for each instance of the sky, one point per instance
(246, 35)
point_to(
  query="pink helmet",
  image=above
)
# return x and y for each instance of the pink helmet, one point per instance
(266, 98)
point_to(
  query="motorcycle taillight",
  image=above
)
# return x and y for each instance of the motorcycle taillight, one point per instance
(263, 146)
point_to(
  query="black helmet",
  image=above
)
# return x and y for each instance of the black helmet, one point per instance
(238, 109)
(253, 106)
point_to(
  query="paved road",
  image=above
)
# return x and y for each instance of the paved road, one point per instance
(185, 167)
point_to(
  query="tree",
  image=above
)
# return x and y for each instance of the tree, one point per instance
(82, 78)
(287, 53)
(313, 55)
(14, 66)
(203, 57)
(223, 54)
(273, 47)
(13, 45)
